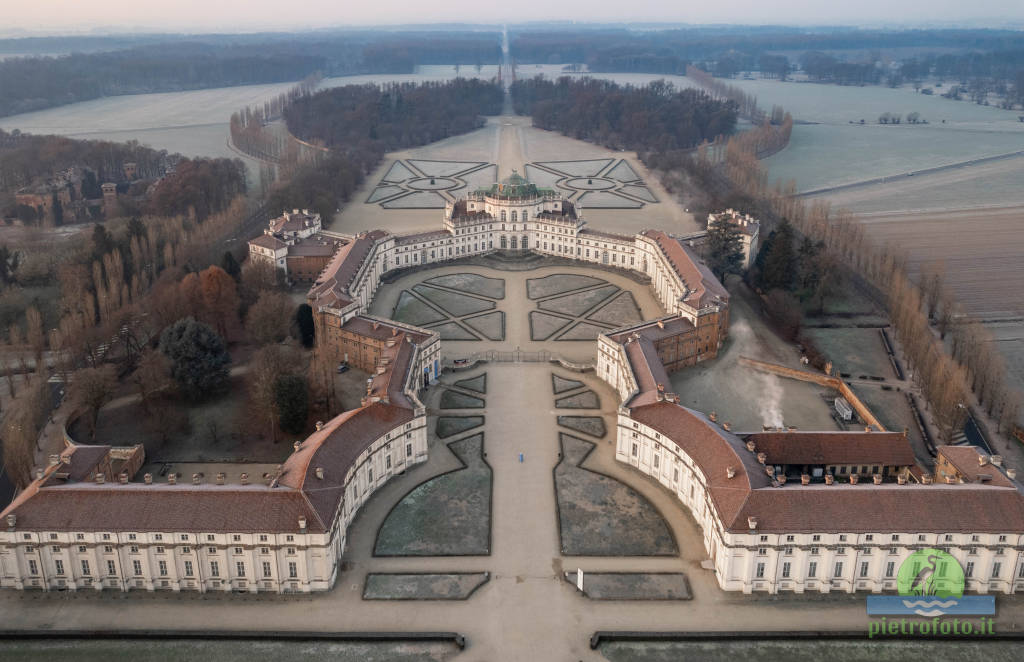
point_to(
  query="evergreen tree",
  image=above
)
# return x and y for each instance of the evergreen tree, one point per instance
(57, 209)
(199, 357)
(307, 328)
(725, 249)
(229, 264)
(779, 269)
(291, 393)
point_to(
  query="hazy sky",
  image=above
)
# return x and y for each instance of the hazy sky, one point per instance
(245, 15)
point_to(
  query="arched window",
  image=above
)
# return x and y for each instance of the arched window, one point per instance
(526, 242)
(515, 216)
(514, 243)
(526, 216)
(503, 214)
(504, 242)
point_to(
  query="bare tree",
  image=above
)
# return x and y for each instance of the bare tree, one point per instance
(151, 377)
(93, 388)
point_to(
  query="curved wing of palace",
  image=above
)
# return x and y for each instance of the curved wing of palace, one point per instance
(778, 509)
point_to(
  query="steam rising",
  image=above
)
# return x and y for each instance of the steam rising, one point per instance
(766, 389)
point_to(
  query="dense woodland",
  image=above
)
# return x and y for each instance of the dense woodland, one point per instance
(186, 63)
(358, 124)
(653, 117)
(29, 159)
(374, 118)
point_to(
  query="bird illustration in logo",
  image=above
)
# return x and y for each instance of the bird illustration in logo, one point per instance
(924, 582)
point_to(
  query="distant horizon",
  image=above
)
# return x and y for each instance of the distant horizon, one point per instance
(19, 27)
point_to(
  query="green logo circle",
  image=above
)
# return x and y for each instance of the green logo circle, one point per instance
(931, 572)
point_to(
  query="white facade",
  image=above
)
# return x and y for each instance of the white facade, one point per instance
(811, 562)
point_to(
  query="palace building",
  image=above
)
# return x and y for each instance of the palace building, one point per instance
(778, 510)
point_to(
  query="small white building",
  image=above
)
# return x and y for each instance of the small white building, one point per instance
(748, 226)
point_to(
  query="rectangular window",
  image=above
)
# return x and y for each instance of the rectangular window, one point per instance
(214, 569)
(85, 567)
(163, 568)
(408, 450)
(238, 551)
(839, 569)
(137, 567)
(107, 549)
(33, 567)
(188, 568)
(264, 550)
(291, 551)
(785, 570)
(675, 475)
(812, 569)
(159, 550)
(59, 566)
(266, 569)
(890, 568)
(997, 568)
(636, 451)
(760, 570)
(969, 569)
(240, 568)
(81, 549)
(814, 551)
(863, 568)
(111, 568)
(133, 549)
(387, 461)
(763, 551)
(293, 570)
(657, 461)
(211, 550)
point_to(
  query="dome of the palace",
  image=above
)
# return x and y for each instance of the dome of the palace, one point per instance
(515, 186)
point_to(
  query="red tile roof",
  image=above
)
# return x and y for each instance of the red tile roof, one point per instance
(331, 286)
(164, 507)
(268, 241)
(883, 508)
(797, 448)
(965, 460)
(703, 285)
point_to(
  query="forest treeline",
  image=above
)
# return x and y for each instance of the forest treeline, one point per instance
(27, 159)
(657, 116)
(347, 130)
(33, 83)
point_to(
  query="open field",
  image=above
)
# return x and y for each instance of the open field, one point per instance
(853, 351)
(981, 249)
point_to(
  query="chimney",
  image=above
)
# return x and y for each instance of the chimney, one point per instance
(854, 478)
(65, 459)
(902, 478)
(762, 458)
(172, 479)
(244, 478)
(877, 478)
(100, 478)
(714, 417)
(302, 523)
(730, 472)
(805, 479)
(1011, 474)
(781, 478)
(867, 428)
(751, 446)
(123, 478)
(726, 426)
(926, 479)
(54, 459)
(752, 523)
(770, 470)
(829, 479)
(394, 332)
(320, 473)
(12, 519)
(996, 460)
(221, 476)
(319, 425)
(39, 473)
(661, 324)
(195, 479)
(950, 480)
(148, 479)
(297, 445)
(982, 460)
